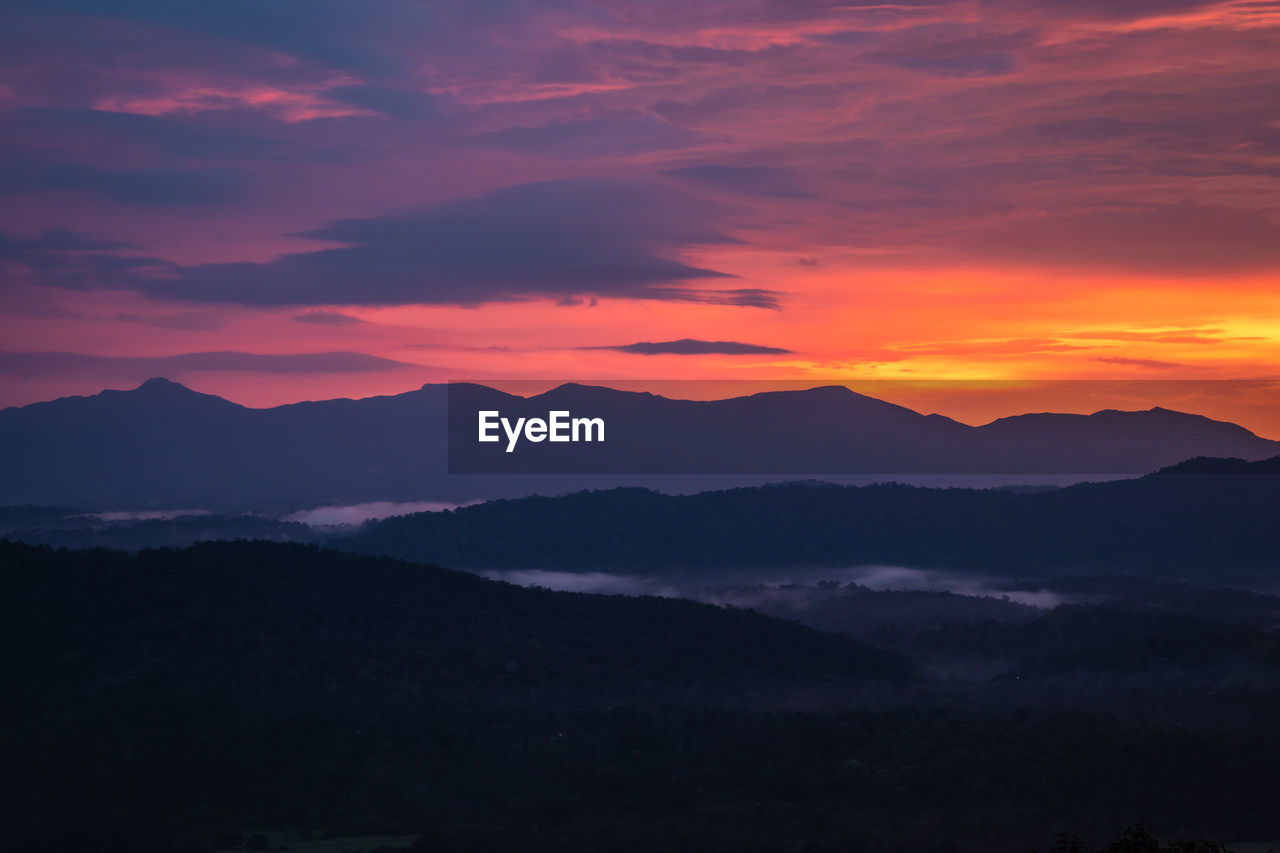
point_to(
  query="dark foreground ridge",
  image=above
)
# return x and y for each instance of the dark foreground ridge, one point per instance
(173, 699)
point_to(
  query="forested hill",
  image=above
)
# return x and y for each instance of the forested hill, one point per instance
(183, 691)
(289, 612)
(1180, 522)
(173, 700)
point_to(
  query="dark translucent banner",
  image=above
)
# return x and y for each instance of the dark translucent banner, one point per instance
(855, 428)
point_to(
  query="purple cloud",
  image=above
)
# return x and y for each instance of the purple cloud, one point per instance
(768, 181)
(30, 364)
(328, 318)
(556, 238)
(690, 346)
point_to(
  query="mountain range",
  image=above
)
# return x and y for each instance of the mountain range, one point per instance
(163, 444)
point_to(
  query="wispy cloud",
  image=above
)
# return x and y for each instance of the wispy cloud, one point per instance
(63, 363)
(328, 318)
(690, 346)
(1152, 363)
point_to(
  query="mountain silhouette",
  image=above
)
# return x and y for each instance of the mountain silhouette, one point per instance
(1195, 524)
(1212, 465)
(165, 444)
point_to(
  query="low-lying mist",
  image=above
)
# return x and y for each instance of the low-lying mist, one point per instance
(352, 514)
(752, 587)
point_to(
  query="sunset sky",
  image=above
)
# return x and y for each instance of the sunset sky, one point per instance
(301, 199)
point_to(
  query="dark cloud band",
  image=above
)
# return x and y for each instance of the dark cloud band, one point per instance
(74, 363)
(552, 239)
(691, 346)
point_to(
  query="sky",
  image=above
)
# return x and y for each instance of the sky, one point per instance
(307, 199)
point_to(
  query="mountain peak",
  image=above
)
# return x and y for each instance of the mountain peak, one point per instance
(160, 383)
(832, 390)
(595, 390)
(159, 391)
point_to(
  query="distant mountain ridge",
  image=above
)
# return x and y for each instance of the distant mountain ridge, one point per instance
(1169, 525)
(1214, 465)
(164, 444)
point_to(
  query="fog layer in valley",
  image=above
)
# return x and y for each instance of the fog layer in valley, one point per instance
(753, 586)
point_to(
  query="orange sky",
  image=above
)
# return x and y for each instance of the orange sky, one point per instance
(305, 206)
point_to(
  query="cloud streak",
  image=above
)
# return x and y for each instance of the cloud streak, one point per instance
(33, 364)
(147, 186)
(690, 346)
(1152, 363)
(328, 318)
(767, 181)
